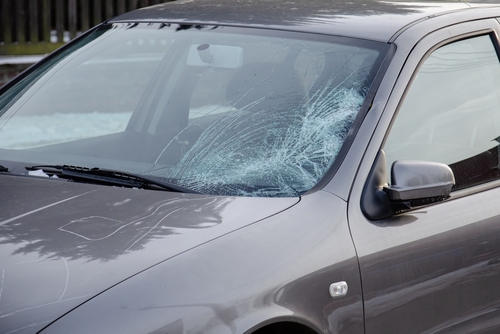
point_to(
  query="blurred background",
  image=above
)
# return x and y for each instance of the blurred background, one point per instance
(30, 29)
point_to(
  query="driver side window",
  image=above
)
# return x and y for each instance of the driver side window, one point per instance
(451, 113)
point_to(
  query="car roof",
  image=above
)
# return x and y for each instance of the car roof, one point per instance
(367, 19)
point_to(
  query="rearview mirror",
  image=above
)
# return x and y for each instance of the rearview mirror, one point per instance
(218, 56)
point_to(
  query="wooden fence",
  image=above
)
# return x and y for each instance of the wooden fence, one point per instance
(40, 26)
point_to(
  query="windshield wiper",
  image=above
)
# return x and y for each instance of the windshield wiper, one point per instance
(109, 177)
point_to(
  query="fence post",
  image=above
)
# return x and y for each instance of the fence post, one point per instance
(7, 22)
(60, 20)
(97, 12)
(109, 9)
(120, 7)
(72, 18)
(132, 4)
(85, 14)
(33, 19)
(20, 22)
(46, 10)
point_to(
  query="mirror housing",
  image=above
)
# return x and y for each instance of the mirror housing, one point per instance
(416, 180)
(415, 183)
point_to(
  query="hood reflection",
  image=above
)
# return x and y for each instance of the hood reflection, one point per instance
(90, 229)
(77, 240)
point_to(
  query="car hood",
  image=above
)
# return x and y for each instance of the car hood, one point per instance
(62, 243)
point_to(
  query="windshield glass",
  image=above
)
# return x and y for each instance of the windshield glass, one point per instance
(220, 110)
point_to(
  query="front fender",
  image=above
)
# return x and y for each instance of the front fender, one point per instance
(278, 268)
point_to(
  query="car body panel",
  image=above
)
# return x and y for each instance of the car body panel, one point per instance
(280, 268)
(257, 261)
(433, 269)
(369, 19)
(77, 240)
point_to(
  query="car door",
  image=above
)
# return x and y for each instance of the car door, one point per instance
(437, 268)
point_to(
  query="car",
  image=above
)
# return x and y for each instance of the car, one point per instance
(257, 166)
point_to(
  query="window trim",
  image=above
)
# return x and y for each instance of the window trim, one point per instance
(493, 36)
(492, 33)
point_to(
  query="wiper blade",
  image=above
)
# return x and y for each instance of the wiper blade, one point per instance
(110, 177)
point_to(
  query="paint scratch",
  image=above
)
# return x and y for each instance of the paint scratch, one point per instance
(1, 283)
(40, 209)
(67, 280)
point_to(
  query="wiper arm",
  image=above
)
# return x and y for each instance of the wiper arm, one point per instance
(110, 177)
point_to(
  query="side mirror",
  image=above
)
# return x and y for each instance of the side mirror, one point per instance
(415, 183)
(419, 180)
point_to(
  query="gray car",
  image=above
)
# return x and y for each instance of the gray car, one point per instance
(267, 166)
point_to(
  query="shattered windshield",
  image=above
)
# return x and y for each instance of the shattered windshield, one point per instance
(219, 110)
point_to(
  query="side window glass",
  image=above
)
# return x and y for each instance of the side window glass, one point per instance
(451, 113)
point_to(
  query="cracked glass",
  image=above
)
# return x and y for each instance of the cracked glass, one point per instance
(219, 110)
